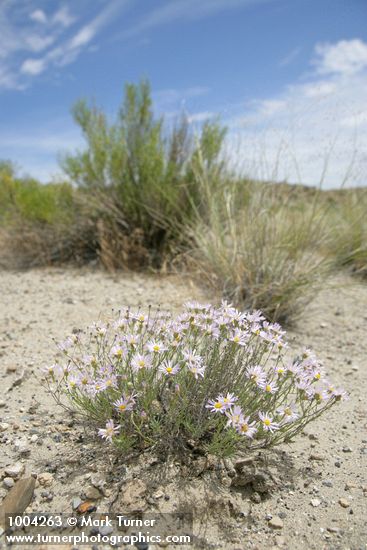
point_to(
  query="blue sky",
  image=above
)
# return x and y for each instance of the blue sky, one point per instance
(288, 77)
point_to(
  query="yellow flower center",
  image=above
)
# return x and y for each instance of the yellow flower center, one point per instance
(267, 421)
(156, 348)
(218, 405)
(268, 388)
(287, 411)
(122, 407)
(169, 369)
(318, 376)
(236, 339)
(244, 428)
(141, 363)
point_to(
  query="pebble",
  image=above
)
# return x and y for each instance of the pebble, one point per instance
(315, 456)
(45, 479)
(327, 483)
(34, 438)
(4, 426)
(315, 502)
(344, 502)
(347, 450)
(11, 368)
(8, 482)
(106, 530)
(92, 493)
(333, 529)
(276, 522)
(76, 502)
(256, 498)
(279, 541)
(15, 470)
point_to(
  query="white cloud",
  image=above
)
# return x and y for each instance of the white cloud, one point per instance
(33, 66)
(18, 41)
(38, 43)
(38, 16)
(344, 57)
(64, 17)
(312, 132)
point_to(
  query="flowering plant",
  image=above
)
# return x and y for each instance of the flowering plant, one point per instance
(214, 379)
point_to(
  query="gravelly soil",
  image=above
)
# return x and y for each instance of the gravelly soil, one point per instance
(325, 464)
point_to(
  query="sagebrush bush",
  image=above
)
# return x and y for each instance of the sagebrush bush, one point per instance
(143, 173)
(213, 379)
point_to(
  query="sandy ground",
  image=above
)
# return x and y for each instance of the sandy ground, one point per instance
(321, 494)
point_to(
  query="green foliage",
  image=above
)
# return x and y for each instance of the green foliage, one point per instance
(30, 201)
(211, 379)
(148, 172)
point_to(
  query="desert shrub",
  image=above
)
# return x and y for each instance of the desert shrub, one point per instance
(213, 379)
(143, 173)
(32, 201)
(43, 224)
(260, 248)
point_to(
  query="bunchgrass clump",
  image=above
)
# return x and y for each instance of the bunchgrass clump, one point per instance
(211, 379)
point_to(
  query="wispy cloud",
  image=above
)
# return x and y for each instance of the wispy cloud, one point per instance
(290, 57)
(183, 10)
(313, 130)
(39, 16)
(64, 17)
(44, 34)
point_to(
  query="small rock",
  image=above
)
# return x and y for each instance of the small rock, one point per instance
(349, 486)
(15, 470)
(344, 502)
(4, 426)
(2, 404)
(45, 479)
(92, 493)
(333, 529)
(279, 541)
(315, 456)
(34, 438)
(76, 502)
(133, 496)
(10, 369)
(327, 483)
(347, 450)
(105, 530)
(18, 498)
(338, 464)
(315, 502)
(276, 522)
(256, 498)
(8, 482)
